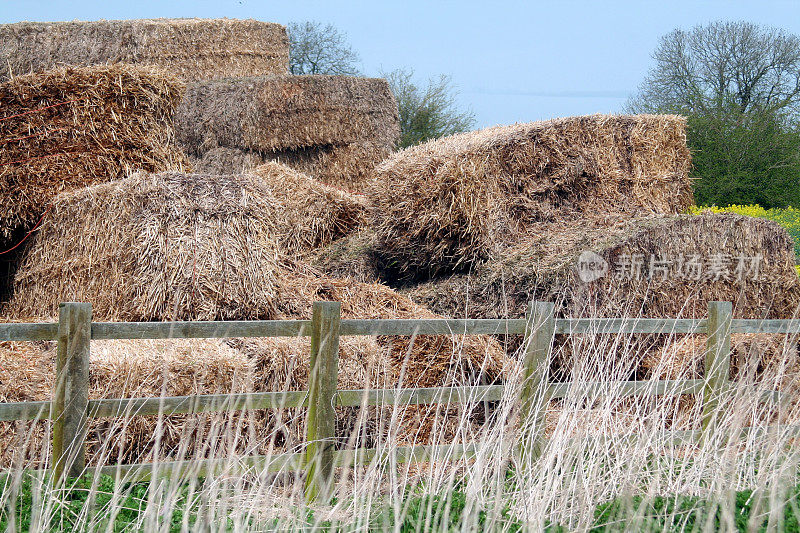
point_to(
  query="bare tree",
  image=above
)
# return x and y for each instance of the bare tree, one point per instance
(318, 49)
(739, 86)
(723, 66)
(427, 113)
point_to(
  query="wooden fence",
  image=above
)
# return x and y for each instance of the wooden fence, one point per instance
(70, 406)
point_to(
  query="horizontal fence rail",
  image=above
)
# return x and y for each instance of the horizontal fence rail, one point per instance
(352, 327)
(539, 328)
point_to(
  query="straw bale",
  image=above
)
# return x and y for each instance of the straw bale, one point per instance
(156, 247)
(335, 128)
(72, 127)
(272, 113)
(226, 161)
(447, 204)
(374, 362)
(769, 359)
(347, 166)
(544, 268)
(153, 368)
(353, 256)
(191, 48)
(315, 214)
(125, 369)
(172, 246)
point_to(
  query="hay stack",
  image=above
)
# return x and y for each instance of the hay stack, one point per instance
(171, 246)
(72, 127)
(545, 268)
(122, 368)
(190, 48)
(450, 203)
(336, 128)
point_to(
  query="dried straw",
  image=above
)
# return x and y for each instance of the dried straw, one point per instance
(447, 204)
(544, 268)
(336, 128)
(72, 127)
(157, 247)
(190, 48)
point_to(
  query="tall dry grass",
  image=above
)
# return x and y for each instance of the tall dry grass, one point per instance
(601, 446)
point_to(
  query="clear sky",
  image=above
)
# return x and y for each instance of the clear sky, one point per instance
(511, 61)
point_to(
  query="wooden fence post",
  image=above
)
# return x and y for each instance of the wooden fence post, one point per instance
(71, 395)
(321, 422)
(534, 395)
(717, 362)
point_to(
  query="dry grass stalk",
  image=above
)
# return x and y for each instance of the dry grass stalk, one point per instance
(190, 48)
(447, 204)
(73, 127)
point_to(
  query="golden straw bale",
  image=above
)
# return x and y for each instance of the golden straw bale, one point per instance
(72, 127)
(770, 359)
(316, 214)
(336, 128)
(191, 48)
(156, 247)
(544, 268)
(126, 369)
(271, 113)
(172, 246)
(444, 205)
(348, 166)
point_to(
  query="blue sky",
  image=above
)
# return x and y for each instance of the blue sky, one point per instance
(511, 61)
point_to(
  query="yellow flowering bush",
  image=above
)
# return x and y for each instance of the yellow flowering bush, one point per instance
(788, 217)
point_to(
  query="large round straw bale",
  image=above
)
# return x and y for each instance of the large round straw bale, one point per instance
(190, 48)
(72, 127)
(449, 203)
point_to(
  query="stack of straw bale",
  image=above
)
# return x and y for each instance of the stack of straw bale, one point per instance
(173, 246)
(191, 49)
(335, 128)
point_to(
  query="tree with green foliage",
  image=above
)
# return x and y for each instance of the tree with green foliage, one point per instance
(739, 85)
(318, 49)
(429, 112)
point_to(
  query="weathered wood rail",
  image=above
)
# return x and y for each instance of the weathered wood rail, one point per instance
(70, 407)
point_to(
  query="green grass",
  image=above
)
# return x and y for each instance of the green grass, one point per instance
(66, 509)
(673, 513)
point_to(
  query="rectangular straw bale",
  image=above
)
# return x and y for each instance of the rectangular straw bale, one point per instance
(335, 128)
(75, 126)
(444, 205)
(286, 112)
(190, 48)
(543, 267)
